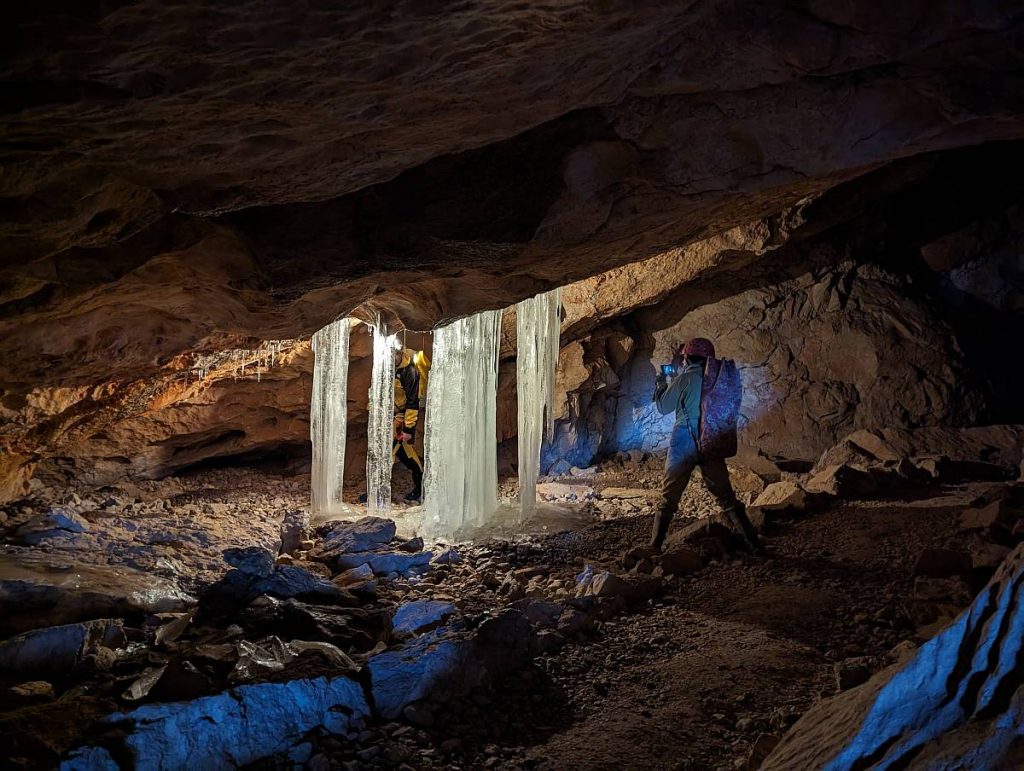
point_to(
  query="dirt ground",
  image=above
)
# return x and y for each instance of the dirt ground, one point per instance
(735, 652)
(724, 659)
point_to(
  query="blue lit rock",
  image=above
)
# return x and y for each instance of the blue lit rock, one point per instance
(449, 662)
(958, 703)
(365, 534)
(240, 726)
(420, 616)
(58, 522)
(56, 649)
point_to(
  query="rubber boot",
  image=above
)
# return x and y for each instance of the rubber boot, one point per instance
(417, 488)
(738, 517)
(662, 520)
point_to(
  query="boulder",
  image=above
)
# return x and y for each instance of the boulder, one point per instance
(842, 481)
(399, 562)
(710, 539)
(420, 616)
(447, 663)
(39, 592)
(243, 725)
(251, 560)
(956, 703)
(679, 561)
(60, 521)
(786, 497)
(354, 576)
(287, 581)
(365, 534)
(57, 650)
(988, 556)
(447, 556)
(630, 587)
(294, 530)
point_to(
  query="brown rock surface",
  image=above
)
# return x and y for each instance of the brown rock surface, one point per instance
(188, 159)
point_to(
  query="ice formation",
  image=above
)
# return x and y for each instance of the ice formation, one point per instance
(537, 331)
(461, 476)
(328, 415)
(379, 430)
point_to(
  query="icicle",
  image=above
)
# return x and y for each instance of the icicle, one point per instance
(537, 333)
(379, 428)
(461, 476)
(328, 415)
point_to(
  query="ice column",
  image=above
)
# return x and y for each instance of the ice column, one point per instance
(328, 415)
(537, 330)
(461, 475)
(379, 430)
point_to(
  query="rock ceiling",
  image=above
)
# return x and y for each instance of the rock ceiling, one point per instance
(193, 178)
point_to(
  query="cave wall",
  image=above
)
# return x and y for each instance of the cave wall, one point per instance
(902, 316)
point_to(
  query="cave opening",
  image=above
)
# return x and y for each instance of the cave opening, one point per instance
(709, 452)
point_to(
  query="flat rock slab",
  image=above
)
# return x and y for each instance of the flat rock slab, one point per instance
(627, 492)
(239, 726)
(364, 534)
(56, 649)
(446, 663)
(37, 592)
(420, 616)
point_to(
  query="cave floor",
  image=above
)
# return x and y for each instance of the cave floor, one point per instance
(728, 656)
(724, 658)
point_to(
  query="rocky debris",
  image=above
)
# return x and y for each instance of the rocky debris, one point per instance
(57, 650)
(37, 591)
(253, 561)
(447, 556)
(420, 616)
(842, 481)
(997, 514)
(47, 526)
(238, 588)
(294, 530)
(680, 561)
(27, 694)
(965, 704)
(627, 493)
(449, 662)
(239, 726)
(363, 535)
(554, 491)
(710, 539)
(786, 497)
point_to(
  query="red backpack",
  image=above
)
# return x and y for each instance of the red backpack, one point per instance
(720, 397)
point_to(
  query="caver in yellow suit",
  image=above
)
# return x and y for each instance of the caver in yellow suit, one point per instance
(410, 390)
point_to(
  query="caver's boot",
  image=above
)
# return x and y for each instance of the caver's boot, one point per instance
(737, 515)
(662, 520)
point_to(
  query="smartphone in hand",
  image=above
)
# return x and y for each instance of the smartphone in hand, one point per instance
(668, 370)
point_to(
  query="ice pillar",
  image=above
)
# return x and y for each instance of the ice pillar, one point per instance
(537, 332)
(380, 430)
(461, 476)
(328, 415)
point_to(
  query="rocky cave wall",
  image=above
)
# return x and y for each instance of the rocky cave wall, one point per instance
(891, 301)
(902, 316)
(201, 180)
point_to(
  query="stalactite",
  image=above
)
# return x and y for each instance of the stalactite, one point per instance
(379, 430)
(328, 415)
(537, 334)
(461, 478)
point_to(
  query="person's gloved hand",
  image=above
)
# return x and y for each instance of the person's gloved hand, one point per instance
(404, 437)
